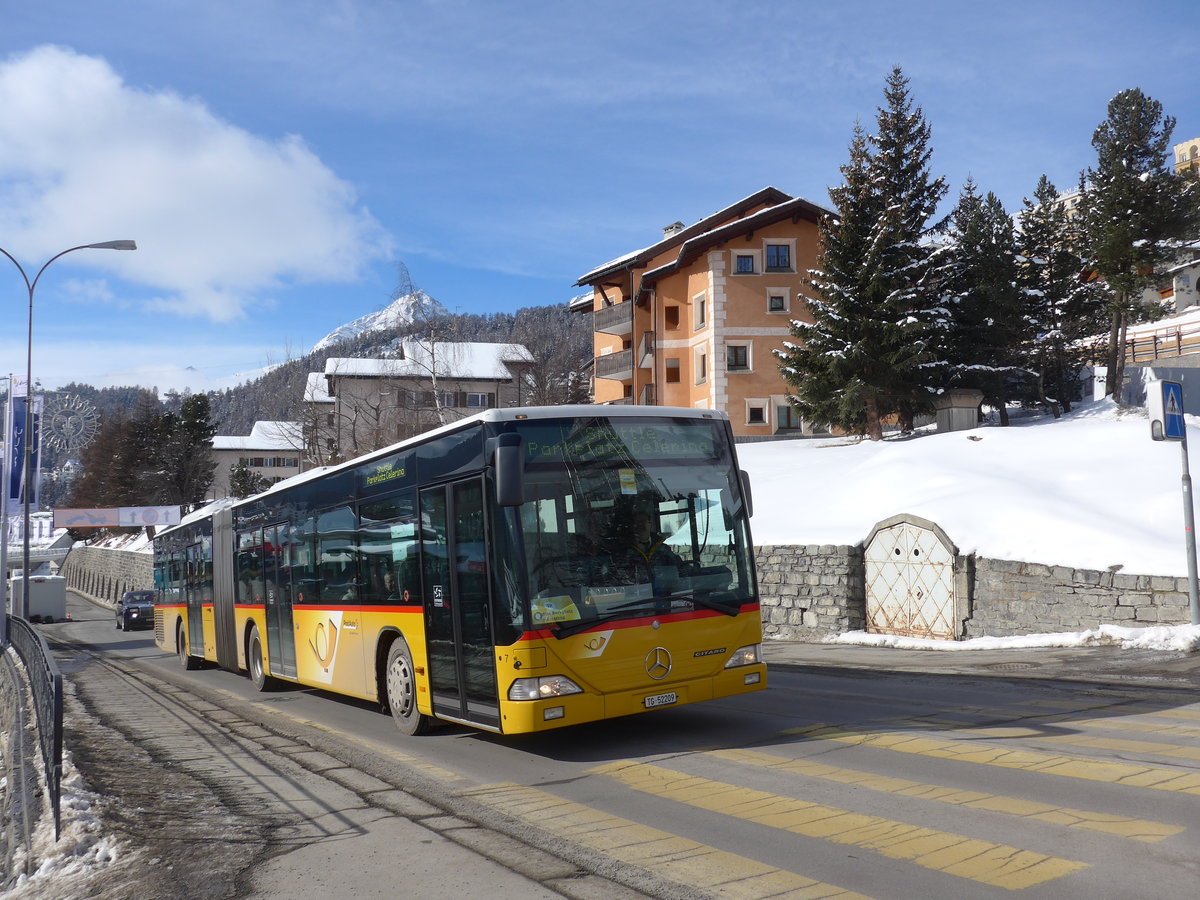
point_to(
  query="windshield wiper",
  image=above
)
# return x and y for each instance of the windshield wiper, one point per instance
(724, 608)
(652, 605)
(570, 628)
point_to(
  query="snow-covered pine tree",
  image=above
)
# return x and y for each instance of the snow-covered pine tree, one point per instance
(982, 331)
(1060, 307)
(1137, 213)
(864, 356)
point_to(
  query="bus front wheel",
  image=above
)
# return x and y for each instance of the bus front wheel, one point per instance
(181, 647)
(402, 691)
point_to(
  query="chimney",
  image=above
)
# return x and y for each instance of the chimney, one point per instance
(673, 229)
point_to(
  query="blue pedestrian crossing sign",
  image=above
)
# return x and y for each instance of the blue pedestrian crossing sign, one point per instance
(1166, 412)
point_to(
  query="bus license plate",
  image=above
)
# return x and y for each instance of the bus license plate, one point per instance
(660, 699)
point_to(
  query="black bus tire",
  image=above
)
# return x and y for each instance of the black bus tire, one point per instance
(186, 659)
(401, 681)
(255, 663)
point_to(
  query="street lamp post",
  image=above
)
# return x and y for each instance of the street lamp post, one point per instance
(26, 467)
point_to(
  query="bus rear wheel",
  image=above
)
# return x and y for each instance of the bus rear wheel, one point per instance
(181, 647)
(401, 684)
(254, 662)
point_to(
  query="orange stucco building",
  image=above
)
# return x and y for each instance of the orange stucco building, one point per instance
(693, 319)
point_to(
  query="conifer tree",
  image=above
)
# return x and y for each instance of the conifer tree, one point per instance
(1060, 305)
(244, 481)
(982, 330)
(1137, 213)
(864, 356)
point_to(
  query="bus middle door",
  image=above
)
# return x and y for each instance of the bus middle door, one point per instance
(454, 568)
(194, 585)
(281, 638)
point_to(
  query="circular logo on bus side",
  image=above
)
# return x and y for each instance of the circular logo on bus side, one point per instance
(658, 663)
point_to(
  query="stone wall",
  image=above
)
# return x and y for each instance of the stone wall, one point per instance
(809, 592)
(1022, 598)
(106, 574)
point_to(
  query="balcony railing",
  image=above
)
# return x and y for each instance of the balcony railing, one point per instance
(614, 319)
(615, 365)
(646, 351)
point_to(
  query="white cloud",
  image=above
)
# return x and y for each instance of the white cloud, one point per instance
(221, 216)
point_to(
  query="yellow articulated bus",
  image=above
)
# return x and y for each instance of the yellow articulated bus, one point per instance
(516, 571)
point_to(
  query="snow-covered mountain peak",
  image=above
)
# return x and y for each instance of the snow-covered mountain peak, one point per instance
(397, 316)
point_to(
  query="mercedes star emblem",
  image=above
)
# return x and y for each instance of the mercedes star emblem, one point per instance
(658, 663)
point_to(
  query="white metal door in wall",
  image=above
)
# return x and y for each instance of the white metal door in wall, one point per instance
(910, 583)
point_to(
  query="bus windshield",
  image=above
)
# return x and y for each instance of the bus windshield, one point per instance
(631, 517)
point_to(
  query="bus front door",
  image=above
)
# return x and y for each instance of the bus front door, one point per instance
(456, 582)
(281, 638)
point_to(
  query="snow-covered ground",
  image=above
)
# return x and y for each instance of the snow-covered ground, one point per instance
(1090, 490)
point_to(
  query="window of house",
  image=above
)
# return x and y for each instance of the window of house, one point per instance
(477, 401)
(737, 358)
(743, 264)
(788, 417)
(776, 302)
(700, 306)
(779, 258)
(671, 318)
(756, 412)
(447, 399)
(701, 367)
(672, 371)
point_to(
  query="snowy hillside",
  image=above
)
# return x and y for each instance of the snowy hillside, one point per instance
(1091, 490)
(396, 316)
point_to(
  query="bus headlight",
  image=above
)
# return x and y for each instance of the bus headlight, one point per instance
(543, 688)
(745, 656)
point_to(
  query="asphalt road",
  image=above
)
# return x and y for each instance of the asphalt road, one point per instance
(834, 782)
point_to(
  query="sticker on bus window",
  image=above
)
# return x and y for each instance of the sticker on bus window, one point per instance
(548, 610)
(628, 481)
(438, 598)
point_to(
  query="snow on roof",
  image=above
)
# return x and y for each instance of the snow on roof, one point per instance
(464, 360)
(316, 390)
(710, 228)
(263, 436)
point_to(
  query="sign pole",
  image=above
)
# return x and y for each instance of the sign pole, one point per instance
(1189, 526)
(1167, 424)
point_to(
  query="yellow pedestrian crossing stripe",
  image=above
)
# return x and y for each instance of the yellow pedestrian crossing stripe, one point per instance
(1109, 772)
(999, 865)
(1106, 823)
(1038, 730)
(1036, 726)
(667, 855)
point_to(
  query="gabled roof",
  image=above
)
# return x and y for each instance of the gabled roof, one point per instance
(733, 218)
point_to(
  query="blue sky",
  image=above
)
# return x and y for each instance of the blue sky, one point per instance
(275, 159)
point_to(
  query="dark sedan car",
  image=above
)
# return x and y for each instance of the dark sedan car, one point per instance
(135, 609)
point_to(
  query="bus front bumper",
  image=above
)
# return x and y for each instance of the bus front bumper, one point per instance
(521, 717)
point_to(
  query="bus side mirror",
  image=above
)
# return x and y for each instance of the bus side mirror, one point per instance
(510, 470)
(747, 494)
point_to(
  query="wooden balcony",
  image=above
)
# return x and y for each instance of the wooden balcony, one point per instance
(618, 366)
(616, 319)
